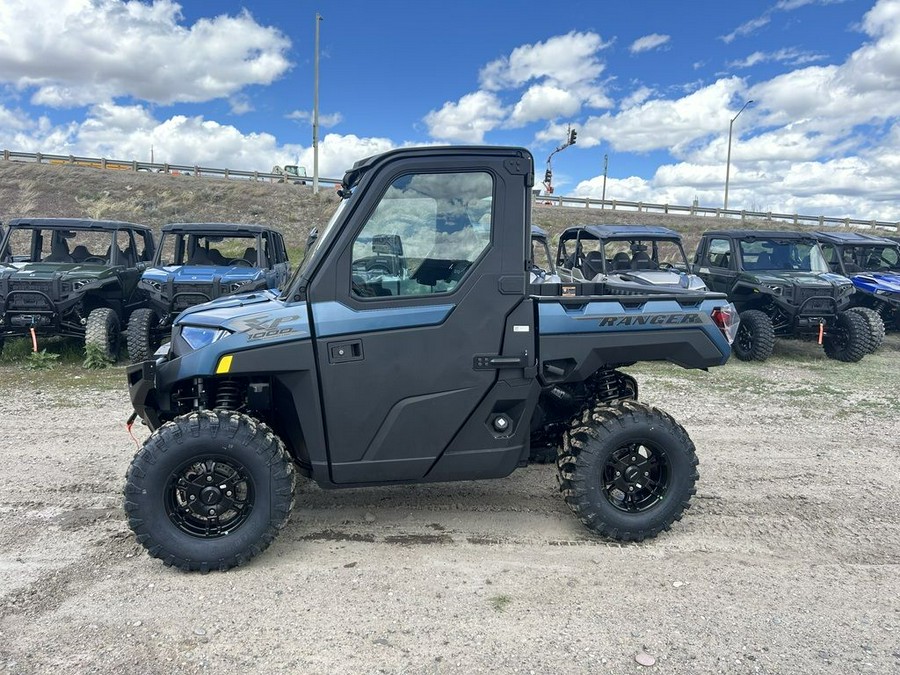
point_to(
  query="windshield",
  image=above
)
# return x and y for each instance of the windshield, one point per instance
(643, 254)
(871, 258)
(53, 245)
(311, 251)
(782, 254)
(182, 248)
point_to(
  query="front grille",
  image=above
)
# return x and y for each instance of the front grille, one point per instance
(28, 301)
(822, 303)
(193, 294)
(44, 286)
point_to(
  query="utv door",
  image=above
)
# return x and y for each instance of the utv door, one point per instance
(396, 339)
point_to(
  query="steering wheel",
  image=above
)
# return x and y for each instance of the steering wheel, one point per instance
(377, 268)
(94, 258)
(239, 262)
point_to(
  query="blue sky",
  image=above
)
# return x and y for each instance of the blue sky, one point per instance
(650, 83)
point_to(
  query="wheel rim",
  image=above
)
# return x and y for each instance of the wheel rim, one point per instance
(210, 497)
(636, 477)
(744, 339)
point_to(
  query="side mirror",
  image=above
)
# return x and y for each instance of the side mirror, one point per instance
(313, 235)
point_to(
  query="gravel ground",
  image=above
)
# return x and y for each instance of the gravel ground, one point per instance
(787, 561)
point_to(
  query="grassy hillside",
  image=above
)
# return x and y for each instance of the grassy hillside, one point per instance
(153, 199)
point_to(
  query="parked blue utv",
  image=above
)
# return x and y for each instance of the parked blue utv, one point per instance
(199, 262)
(872, 263)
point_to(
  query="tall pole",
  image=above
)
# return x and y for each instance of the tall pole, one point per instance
(605, 168)
(316, 111)
(728, 159)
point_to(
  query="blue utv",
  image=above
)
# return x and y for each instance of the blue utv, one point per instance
(199, 262)
(872, 263)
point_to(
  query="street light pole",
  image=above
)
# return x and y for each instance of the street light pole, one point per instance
(728, 160)
(605, 167)
(316, 111)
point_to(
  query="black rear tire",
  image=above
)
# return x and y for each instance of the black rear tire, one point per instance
(876, 326)
(141, 343)
(627, 470)
(102, 330)
(848, 338)
(755, 338)
(209, 490)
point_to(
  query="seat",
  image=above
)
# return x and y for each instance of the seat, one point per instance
(763, 262)
(80, 253)
(592, 265)
(59, 251)
(250, 255)
(621, 261)
(641, 261)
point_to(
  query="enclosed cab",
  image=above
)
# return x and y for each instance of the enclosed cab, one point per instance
(72, 277)
(199, 262)
(873, 265)
(783, 287)
(626, 257)
(408, 348)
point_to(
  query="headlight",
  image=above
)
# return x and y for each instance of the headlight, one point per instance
(239, 284)
(155, 285)
(197, 337)
(777, 290)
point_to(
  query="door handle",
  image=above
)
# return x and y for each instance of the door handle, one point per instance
(342, 352)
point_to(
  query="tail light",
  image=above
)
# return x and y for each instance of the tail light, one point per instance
(727, 319)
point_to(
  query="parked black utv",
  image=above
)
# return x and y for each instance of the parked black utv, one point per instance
(71, 277)
(782, 287)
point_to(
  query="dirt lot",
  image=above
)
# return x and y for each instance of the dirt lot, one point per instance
(788, 561)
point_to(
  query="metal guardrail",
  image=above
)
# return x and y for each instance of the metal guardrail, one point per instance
(793, 218)
(586, 202)
(150, 167)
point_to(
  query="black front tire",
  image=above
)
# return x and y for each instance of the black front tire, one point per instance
(848, 339)
(141, 342)
(628, 471)
(755, 338)
(876, 326)
(102, 330)
(209, 490)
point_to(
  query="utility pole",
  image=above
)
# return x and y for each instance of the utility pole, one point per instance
(605, 169)
(728, 160)
(316, 111)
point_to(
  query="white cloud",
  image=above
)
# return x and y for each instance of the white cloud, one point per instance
(649, 42)
(544, 102)
(564, 59)
(80, 52)
(655, 124)
(326, 120)
(467, 120)
(789, 55)
(746, 28)
(128, 132)
(338, 153)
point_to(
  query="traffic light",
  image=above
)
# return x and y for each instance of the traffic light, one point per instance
(572, 136)
(548, 176)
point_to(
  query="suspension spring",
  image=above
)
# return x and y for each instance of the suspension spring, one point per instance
(228, 394)
(607, 386)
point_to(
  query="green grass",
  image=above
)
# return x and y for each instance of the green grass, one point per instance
(499, 602)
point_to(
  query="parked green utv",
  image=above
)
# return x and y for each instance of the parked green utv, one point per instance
(782, 287)
(71, 277)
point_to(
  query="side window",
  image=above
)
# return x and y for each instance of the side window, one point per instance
(831, 258)
(125, 244)
(144, 250)
(425, 233)
(718, 254)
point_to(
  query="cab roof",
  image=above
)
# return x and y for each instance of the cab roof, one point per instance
(216, 228)
(761, 234)
(853, 238)
(623, 232)
(76, 224)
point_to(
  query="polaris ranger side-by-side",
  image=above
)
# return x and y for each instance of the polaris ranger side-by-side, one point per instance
(443, 372)
(782, 286)
(71, 277)
(199, 262)
(872, 263)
